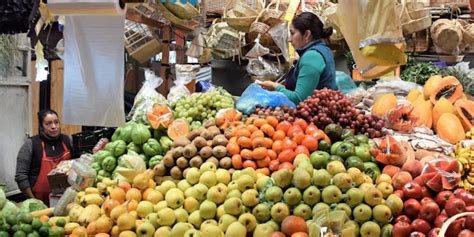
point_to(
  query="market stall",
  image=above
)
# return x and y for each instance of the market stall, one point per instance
(393, 157)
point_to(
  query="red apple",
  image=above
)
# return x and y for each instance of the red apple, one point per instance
(429, 211)
(399, 193)
(454, 206)
(469, 223)
(420, 225)
(443, 213)
(439, 220)
(442, 197)
(465, 195)
(417, 234)
(402, 218)
(412, 190)
(426, 200)
(425, 192)
(401, 229)
(411, 208)
(466, 233)
(419, 181)
(469, 208)
(455, 227)
(434, 232)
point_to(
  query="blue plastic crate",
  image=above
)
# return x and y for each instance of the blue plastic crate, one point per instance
(192, 2)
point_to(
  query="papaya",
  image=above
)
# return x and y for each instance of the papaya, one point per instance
(383, 104)
(413, 94)
(160, 116)
(401, 118)
(442, 106)
(431, 84)
(465, 111)
(449, 88)
(178, 128)
(449, 128)
(423, 111)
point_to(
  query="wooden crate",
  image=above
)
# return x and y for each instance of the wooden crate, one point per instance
(140, 41)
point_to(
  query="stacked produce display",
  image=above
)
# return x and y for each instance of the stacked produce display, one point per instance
(199, 167)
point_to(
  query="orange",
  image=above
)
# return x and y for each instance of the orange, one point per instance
(259, 142)
(286, 156)
(310, 142)
(250, 119)
(230, 132)
(233, 148)
(265, 162)
(246, 154)
(243, 133)
(310, 129)
(272, 154)
(283, 126)
(277, 146)
(295, 129)
(44, 218)
(272, 120)
(278, 135)
(256, 134)
(259, 122)
(259, 153)
(236, 161)
(249, 163)
(244, 142)
(268, 142)
(252, 128)
(268, 130)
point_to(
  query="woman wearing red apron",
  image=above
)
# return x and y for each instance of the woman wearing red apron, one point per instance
(39, 155)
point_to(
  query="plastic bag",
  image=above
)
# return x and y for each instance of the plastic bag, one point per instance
(184, 75)
(255, 95)
(258, 50)
(68, 197)
(331, 223)
(279, 35)
(81, 175)
(146, 98)
(262, 68)
(344, 82)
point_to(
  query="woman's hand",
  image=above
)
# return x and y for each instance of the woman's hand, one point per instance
(269, 85)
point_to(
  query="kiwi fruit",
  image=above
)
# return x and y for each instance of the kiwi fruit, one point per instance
(159, 169)
(208, 123)
(176, 152)
(219, 151)
(176, 173)
(214, 130)
(194, 133)
(181, 141)
(199, 142)
(185, 171)
(209, 143)
(196, 162)
(225, 163)
(219, 140)
(182, 162)
(168, 161)
(207, 134)
(205, 152)
(189, 151)
(213, 160)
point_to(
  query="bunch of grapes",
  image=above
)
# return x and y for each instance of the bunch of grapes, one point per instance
(202, 106)
(281, 113)
(328, 106)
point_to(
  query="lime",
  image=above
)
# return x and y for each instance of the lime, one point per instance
(3, 234)
(27, 228)
(60, 222)
(11, 220)
(36, 224)
(33, 234)
(16, 228)
(56, 232)
(26, 218)
(44, 231)
(19, 233)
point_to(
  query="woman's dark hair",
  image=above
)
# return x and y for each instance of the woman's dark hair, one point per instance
(309, 21)
(43, 113)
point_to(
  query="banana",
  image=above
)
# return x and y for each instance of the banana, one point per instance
(470, 179)
(89, 214)
(92, 191)
(91, 199)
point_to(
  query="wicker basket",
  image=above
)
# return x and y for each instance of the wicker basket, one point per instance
(259, 28)
(272, 17)
(177, 8)
(243, 10)
(448, 222)
(187, 25)
(419, 42)
(140, 41)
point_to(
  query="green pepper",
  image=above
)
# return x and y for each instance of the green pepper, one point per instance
(372, 170)
(100, 156)
(140, 134)
(109, 164)
(165, 143)
(155, 160)
(132, 147)
(345, 149)
(116, 148)
(152, 148)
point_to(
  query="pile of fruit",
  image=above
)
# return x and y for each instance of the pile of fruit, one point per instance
(441, 105)
(464, 153)
(132, 138)
(199, 146)
(202, 106)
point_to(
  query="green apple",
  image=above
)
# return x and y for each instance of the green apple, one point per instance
(363, 153)
(152, 218)
(385, 188)
(321, 178)
(282, 178)
(225, 221)
(232, 186)
(382, 213)
(263, 230)
(220, 211)
(342, 181)
(354, 197)
(301, 178)
(250, 197)
(164, 231)
(245, 182)
(303, 210)
(274, 225)
(373, 197)
(250, 172)
(145, 230)
(200, 192)
(383, 178)
(236, 229)
(320, 207)
(180, 228)
(261, 212)
(362, 212)
(165, 186)
(356, 175)
(181, 215)
(166, 217)
(192, 175)
(207, 166)
(233, 206)
(335, 167)
(331, 194)
(319, 159)
(395, 204)
(208, 178)
(279, 211)
(292, 196)
(344, 207)
(223, 176)
(195, 219)
(191, 204)
(160, 206)
(262, 182)
(370, 229)
(248, 220)
(192, 233)
(274, 194)
(311, 195)
(183, 185)
(208, 209)
(211, 231)
(216, 194)
(234, 193)
(144, 208)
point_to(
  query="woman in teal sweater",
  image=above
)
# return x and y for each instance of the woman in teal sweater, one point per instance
(316, 68)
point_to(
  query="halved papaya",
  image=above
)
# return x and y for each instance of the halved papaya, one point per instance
(431, 84)
(161, 115)
(449, 128)
(449, 88)
(442, 106)
(465, 111)
(401, 118)
(178, 128)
